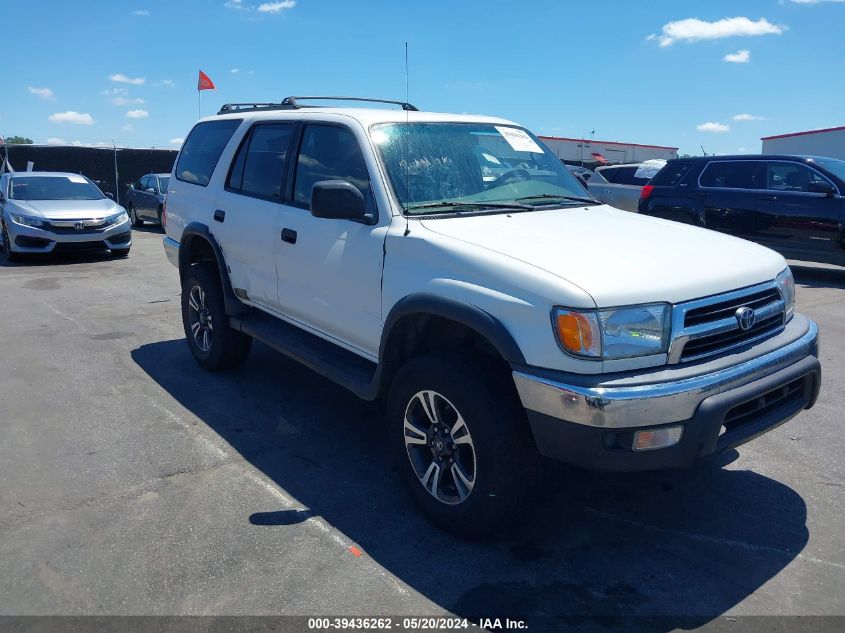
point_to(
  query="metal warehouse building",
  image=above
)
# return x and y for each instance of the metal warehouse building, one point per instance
(827, 142)
(591, 152)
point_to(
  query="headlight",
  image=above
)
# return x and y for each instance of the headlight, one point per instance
(786, 284)
(120, 218)
(25, 220)
(615, 333)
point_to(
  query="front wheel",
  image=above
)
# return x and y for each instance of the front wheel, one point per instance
(461, 441)
(133, 216)
(6, 245)
(214, 344)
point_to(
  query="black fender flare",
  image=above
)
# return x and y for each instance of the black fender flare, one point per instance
(198, 230)
(466, 314)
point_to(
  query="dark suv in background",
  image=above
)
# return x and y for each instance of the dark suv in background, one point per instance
(792, 204)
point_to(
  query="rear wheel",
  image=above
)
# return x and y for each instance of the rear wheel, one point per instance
(461, 441)
(214, 344)
(133, 216)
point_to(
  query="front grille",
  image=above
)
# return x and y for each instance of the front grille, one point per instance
(707, 327)
(723, 309)
(713, 344)
(69, 230)
(75, 247)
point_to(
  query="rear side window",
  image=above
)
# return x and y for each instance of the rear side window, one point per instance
(626, 176)
(745, 174)
(260, 162)
(329, 153)
(608, 174)
(791, 177)
(202, 150)
(671, 174)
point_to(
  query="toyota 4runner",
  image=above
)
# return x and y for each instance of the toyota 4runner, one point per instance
(451, 267)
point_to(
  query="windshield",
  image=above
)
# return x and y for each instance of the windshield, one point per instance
(435, 167)
(835, 167)
(54, 188)
(164, 183)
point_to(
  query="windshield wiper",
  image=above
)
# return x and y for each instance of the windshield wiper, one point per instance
(453, 204)
(557, 197)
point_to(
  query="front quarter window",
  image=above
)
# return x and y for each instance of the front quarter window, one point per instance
(476, 165)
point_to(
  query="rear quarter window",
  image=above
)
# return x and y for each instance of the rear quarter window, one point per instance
(202, 150)
(671, 174)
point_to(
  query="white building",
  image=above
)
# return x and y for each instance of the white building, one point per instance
(591, 151)
(828, 142)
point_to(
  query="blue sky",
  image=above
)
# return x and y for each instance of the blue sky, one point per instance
(646, 72)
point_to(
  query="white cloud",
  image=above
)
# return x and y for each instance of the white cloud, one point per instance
(116, 91)
(137, 114)
(695, 30)
(125, 101)
(55, 140)
(234, 4)
(168, 82)
(177, 141)
(77, 118)
(715, 128)
(740, 57)
(128, 128)
(814, 1)
(44, 93)
(123, 79)
(140, 12)
(276, 7)
(748, 117)
(235, 71)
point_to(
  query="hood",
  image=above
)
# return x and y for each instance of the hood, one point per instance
(67, 209)
(618, 257)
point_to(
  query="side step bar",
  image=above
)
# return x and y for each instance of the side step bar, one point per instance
(349, 370)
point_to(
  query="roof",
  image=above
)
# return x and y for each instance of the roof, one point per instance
(45, 173)
(365, 116)
(738, 157)
(584, 140)
(821, 131)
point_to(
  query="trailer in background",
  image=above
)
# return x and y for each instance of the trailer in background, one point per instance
(592, 153)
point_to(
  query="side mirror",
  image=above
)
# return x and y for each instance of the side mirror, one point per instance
(149, 190)
(338, 200)
(822, 186)
(109, 195)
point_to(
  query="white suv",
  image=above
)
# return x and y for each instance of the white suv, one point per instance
(452, 268)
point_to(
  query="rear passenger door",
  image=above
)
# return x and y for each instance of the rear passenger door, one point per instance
(330, 270)
(802, 224)
(731, 194)
(245, 219)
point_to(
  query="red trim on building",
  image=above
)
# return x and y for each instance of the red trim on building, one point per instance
(827, 129)
(585, 140)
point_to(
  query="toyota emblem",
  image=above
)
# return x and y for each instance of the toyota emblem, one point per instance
(745, 317)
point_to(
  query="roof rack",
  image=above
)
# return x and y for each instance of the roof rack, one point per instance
(292, 103)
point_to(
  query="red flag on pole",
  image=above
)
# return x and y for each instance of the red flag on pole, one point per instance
(204, 82)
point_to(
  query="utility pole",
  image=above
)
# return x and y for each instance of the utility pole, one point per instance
(116, 180)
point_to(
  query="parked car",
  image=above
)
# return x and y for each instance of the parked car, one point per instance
(620, 185)
(49, 212)
(498, 320)
(581, 173)
(792, 204)
(145, 199)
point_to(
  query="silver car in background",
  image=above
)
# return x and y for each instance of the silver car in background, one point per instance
(50, 212)
(620, 185)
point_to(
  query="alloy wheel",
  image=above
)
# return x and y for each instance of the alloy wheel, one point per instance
(199, 317)
(440, 447)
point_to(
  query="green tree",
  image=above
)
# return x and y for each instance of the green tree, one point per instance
(18, 140)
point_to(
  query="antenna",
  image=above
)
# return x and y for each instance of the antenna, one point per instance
(702, 150)
(407, 140)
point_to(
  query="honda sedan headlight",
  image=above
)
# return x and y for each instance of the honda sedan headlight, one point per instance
(786, 284)
(614, 333)
(120, 218)
(25, 220)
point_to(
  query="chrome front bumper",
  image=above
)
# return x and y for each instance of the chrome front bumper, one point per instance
(627, 403)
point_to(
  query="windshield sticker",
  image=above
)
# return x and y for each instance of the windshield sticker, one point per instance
(491, 159)
(650, 168)
(519, 140)
(77, 179)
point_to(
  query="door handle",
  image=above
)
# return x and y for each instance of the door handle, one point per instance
(770, 198)
(289, 236)
(219, 216)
